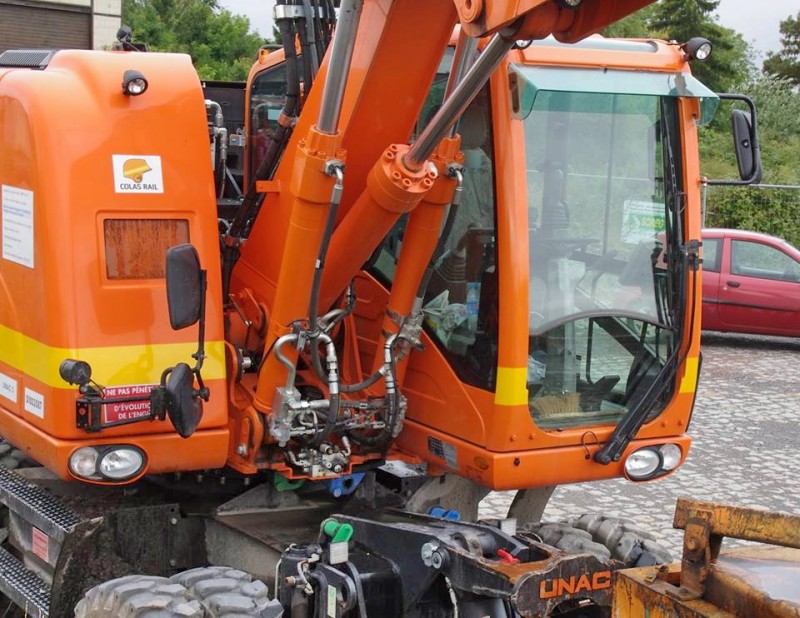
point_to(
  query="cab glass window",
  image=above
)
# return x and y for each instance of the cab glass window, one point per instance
(267, 95)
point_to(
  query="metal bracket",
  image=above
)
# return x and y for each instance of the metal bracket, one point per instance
(692, 251)
(696, 562)
(289, 11)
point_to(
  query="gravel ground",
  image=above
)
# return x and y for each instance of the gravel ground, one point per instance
(746, 449)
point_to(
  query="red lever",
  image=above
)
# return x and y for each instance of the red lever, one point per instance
(506, 557)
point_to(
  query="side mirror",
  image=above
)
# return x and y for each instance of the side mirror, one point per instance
(184, 286)
(184, 407)
(745, 142)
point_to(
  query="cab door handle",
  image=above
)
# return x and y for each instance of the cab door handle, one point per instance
(734, 284)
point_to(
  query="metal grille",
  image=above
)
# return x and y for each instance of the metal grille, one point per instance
(26, 58)
(23, 586)
(36, 506)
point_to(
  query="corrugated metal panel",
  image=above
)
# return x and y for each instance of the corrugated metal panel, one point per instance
(60, 27)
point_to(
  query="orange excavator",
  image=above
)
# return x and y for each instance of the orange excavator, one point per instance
(459, 263)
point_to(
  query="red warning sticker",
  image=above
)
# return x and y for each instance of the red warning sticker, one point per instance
(40, 543)
(129, 410)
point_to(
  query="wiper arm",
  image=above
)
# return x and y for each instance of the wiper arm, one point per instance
(630, 424)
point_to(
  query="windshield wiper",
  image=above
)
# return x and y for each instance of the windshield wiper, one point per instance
(676, 260)
(629, 426)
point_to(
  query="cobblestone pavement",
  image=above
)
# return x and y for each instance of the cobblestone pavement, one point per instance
(746, 448)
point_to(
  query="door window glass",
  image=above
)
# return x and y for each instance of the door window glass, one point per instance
(753, 259)
(711, 254)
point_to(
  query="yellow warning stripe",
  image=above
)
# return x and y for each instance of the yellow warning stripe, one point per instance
(512, 388)
(117, 365)
(689, 381)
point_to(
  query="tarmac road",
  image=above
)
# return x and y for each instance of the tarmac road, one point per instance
(746, 449)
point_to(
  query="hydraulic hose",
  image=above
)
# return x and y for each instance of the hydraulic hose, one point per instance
(383, 438)
(309, 32)
(305, 41)
(333, 388)
(330, 223)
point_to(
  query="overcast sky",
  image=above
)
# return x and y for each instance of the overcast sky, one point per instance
(758, 21)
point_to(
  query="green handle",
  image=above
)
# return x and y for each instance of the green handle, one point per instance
(338, 533)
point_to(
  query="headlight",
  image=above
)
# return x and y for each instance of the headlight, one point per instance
(642, 464)
(121, 463)
(670, 456)
(114, 463)
(83, 462)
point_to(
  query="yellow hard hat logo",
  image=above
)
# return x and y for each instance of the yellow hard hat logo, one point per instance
(135, 169)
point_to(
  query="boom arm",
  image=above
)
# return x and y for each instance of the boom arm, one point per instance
(383, 57)
(541, 18)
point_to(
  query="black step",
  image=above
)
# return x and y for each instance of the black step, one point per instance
(37, 506)
(23, 586)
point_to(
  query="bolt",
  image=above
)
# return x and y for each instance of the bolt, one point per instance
(222, 480)
(427, 551)
(437, 560)
(241, 450)
(173, 521)
(337, 469)
(173, 562)
(247, 482)
(199, 478)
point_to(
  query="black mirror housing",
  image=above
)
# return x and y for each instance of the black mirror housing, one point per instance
(184, 286)
(744, 126)
(184, 408)
(746, 153)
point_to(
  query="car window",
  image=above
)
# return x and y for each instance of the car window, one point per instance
(712, 250)
(753, 259)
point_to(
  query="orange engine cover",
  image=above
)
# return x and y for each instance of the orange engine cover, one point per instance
(96, 185)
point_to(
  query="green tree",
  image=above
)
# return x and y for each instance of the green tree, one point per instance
(731, 60)
(762, 209)
(221, 44)
(634, 26)
(680, 20)
(786, 62)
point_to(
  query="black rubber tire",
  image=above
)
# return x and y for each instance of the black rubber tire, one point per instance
(229, 593)
(139, 596)
(627, 543)
(569, 539)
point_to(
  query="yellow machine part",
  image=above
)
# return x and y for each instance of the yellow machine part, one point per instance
(757, 581)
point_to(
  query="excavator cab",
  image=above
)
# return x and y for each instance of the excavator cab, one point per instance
(562, 297)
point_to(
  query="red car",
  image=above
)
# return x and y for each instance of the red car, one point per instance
(751, 283)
